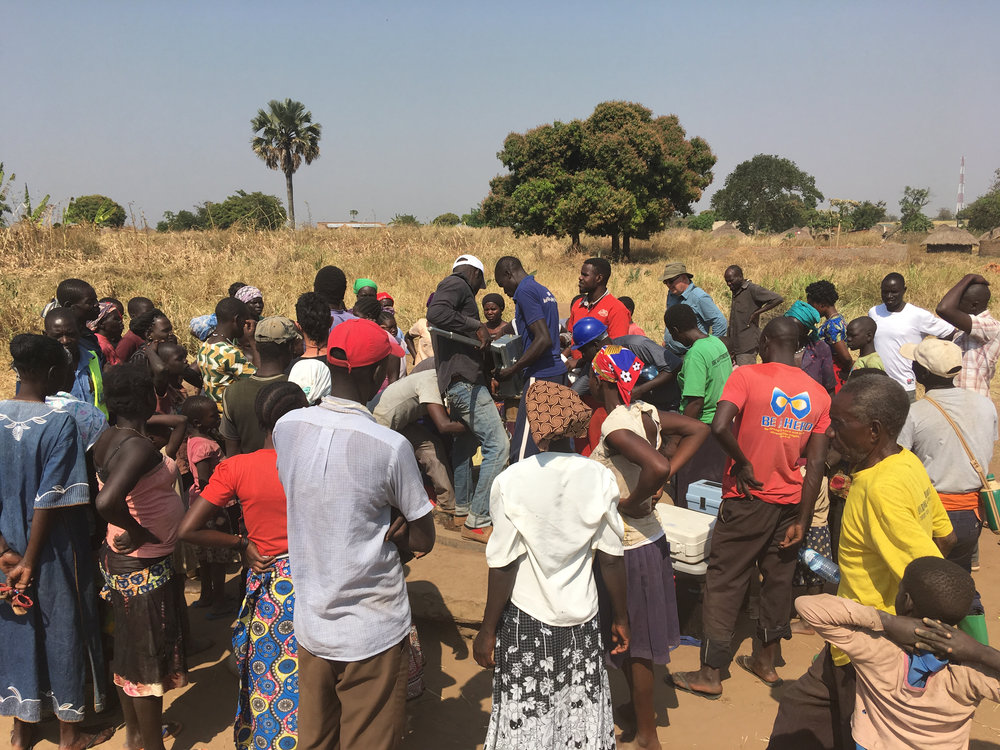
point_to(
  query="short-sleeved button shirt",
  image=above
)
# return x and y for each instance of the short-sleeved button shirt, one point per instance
(980, 351)
(343, 473)
(744, 336)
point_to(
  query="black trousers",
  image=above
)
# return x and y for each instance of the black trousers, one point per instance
(815, 710)
(745, 541)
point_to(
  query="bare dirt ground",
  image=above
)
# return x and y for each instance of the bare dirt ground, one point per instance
(454, 710)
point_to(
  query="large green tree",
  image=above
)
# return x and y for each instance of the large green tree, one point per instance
(254, 211)
(447, 220)
(94, 209)
(284, 137)
(620, 173)
(983, 214)
(911, 208)
(767, 194)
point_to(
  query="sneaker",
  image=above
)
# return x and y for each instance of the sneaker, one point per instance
(459, 521)
(481, 535)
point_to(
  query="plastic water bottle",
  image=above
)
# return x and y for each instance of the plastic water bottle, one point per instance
(822, 566)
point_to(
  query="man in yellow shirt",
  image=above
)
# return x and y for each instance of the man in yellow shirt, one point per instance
(892, 516)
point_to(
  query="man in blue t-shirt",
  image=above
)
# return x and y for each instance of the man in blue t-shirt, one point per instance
(536, 318)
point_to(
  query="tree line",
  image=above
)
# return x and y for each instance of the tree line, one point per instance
(621, 173)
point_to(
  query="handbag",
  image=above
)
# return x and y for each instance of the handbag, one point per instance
(989, 494)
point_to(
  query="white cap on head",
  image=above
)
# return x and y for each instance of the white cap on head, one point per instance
(468, 260)
(938, 357)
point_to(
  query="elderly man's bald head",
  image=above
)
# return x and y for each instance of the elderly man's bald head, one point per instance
(975, 299)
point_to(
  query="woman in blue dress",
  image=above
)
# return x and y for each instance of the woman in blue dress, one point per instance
(48, 652)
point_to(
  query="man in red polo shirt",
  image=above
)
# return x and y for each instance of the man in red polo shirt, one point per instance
(597, 302)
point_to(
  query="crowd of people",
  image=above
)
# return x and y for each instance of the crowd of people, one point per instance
(322, 452)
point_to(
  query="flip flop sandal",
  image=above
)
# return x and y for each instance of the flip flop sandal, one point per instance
(19, 601)
(743, 662)
(679, 681)
(171, 729)
(99, 738)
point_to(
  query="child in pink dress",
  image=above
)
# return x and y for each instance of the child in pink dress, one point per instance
(204, 454)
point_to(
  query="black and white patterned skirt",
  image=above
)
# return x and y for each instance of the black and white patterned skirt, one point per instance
(550, 687)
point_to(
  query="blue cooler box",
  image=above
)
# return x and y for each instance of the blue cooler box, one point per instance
(704, 496)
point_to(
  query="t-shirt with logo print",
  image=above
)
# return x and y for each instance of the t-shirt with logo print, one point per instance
(533, 302)
(780, 409)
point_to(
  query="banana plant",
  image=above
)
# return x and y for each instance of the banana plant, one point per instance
(33, 215)
(4, 190)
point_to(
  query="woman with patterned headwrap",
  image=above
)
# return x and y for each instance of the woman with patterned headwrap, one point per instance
(815, 359)
(108, 327)
(632, 437)
(553, 513)
(253, 298)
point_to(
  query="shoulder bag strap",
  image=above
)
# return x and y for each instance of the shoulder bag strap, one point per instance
(968, 452)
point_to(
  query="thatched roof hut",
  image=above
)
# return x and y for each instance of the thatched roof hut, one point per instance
(989, 243)
(727, 230)
(947, 238)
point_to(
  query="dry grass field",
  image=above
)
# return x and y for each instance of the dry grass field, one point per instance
(187, 273)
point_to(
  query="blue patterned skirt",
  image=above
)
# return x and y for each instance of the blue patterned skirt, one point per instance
(266, 655)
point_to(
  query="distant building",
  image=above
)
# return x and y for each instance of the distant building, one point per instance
(350, 225)
(951, 239)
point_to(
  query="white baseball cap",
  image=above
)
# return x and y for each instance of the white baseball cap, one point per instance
(471, 260)
(468, 260)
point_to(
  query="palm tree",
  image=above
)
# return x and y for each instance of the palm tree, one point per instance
(284, 135)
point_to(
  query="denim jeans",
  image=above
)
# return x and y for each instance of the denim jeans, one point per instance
(473, 405)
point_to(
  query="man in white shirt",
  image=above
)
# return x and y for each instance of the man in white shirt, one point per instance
(966, 306)
(901, 323)
(355, 504)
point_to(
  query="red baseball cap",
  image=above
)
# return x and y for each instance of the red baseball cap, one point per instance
(364, 343)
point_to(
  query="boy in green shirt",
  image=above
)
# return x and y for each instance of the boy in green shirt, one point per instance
(861, 336)
(707, 366)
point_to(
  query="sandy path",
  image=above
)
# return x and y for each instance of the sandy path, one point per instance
(454, 710)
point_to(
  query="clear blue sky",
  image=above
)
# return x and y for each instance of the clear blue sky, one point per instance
(150, 103)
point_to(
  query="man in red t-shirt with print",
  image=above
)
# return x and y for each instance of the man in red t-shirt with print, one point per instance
(596, 302)
(781, 414)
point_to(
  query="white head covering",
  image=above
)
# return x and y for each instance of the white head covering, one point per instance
(313, 377)
(468, 260)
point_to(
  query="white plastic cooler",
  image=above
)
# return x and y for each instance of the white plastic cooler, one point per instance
(690, 534)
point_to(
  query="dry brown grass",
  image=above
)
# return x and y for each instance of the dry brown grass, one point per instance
(187, 273)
